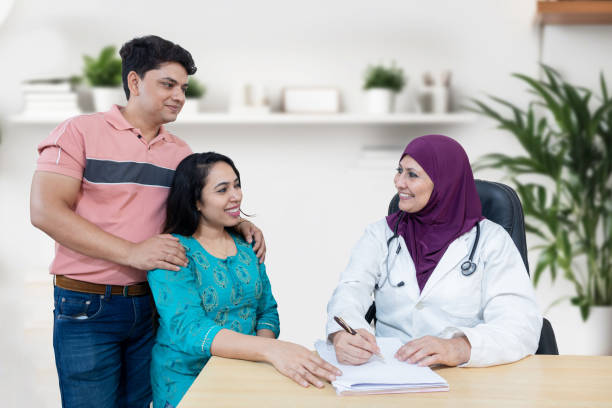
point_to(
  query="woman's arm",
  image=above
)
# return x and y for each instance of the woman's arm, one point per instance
(353, 296)
(266, 333)
(512, 320)
(192, 332)
(180, 310)
(267, 311)
(292, 360)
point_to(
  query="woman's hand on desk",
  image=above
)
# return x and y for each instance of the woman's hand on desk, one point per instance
(300, 364)
(430, 350)
(354, 349)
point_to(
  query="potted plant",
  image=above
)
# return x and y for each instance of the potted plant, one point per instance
(194, 93)
(566, 134)
(104, 75)
(381, 84)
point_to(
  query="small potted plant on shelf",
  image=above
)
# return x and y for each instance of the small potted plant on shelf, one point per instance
(381, 85)
(194, 93)
(104, 76)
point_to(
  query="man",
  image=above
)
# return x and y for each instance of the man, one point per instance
(99, 191)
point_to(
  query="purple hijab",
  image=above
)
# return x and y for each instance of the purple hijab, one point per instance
(452, 210)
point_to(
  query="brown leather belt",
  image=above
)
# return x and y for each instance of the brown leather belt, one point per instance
(138, 289)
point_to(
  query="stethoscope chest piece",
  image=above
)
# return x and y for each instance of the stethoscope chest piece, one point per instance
(468, 268)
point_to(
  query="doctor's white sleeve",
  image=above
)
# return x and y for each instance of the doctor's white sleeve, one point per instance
(353, 295)
(511, 318)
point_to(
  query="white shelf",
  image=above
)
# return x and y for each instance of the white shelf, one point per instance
(325, 119)
(288, 119)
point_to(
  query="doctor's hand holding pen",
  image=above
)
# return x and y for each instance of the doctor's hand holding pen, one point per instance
(353, 347)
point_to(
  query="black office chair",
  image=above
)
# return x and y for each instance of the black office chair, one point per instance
(500, 204)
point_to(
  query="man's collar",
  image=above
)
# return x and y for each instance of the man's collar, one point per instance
(116, 119)
(119, 122)
(168, 137)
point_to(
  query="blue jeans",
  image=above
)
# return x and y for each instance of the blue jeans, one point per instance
(103, 349)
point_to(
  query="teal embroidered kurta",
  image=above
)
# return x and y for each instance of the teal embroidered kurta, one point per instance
(196, 302)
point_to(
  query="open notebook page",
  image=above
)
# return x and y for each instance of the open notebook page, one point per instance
(377, 376)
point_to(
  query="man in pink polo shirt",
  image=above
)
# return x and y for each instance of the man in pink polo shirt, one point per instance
(99, 191)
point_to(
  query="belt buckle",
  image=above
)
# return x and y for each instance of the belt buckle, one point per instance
(126, 290)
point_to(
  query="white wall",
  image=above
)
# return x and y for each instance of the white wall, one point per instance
(313, 188)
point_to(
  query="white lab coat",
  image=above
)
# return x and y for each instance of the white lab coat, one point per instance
(495, 307)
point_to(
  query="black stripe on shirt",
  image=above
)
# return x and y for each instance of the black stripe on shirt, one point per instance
(112, 172)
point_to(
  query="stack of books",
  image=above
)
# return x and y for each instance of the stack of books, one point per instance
(47, 98)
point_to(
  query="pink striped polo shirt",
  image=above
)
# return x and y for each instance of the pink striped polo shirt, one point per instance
(125, 184)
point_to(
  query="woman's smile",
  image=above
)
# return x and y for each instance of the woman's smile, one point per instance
(234, 211)
(406, 196)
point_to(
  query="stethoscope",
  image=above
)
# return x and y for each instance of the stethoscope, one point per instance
(467, 268)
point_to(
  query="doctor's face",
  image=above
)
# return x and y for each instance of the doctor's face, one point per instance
(413, 185)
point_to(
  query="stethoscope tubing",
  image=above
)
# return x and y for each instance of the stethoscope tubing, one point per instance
(467, 268)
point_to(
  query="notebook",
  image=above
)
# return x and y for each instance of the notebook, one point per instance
(381, 377)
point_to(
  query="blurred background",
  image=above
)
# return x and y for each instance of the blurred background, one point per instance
(314, 181)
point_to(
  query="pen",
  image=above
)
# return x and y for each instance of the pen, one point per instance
(352, 331)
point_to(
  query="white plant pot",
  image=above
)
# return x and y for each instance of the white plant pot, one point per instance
(380, 101)
(191, 106)
(105, 97)
(593, 337)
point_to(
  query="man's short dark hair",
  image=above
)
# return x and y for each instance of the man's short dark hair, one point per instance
(143, 54)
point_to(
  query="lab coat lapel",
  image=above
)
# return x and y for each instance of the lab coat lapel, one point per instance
(455, 252)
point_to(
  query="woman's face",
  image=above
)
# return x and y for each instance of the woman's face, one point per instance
(413, 185)
(221, 197)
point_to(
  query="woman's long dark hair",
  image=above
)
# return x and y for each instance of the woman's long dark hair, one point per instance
(182, 216)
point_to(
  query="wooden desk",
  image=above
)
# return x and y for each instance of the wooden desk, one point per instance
(536, 381)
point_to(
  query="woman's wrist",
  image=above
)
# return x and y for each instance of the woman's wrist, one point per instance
(333, 335)
(463, 344)
(267, 333)
(266, 349)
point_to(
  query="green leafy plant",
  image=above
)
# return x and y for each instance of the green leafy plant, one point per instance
(566, 132)
(379, 76)
(104, 70)
(195, 89)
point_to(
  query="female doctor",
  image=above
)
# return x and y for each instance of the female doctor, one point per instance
(448, 282)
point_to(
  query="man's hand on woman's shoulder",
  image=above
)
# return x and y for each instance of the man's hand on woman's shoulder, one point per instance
(253, 234)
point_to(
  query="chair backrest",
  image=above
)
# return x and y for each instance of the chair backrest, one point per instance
(501, 204)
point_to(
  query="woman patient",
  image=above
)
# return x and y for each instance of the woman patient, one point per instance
(411, 262)
(221, 303)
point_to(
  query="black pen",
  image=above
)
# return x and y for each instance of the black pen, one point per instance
(352, 331)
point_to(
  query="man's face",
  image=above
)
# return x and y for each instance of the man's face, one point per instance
(161, 92)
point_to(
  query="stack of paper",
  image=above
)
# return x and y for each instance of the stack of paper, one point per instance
(381, 377)
(49, 99)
